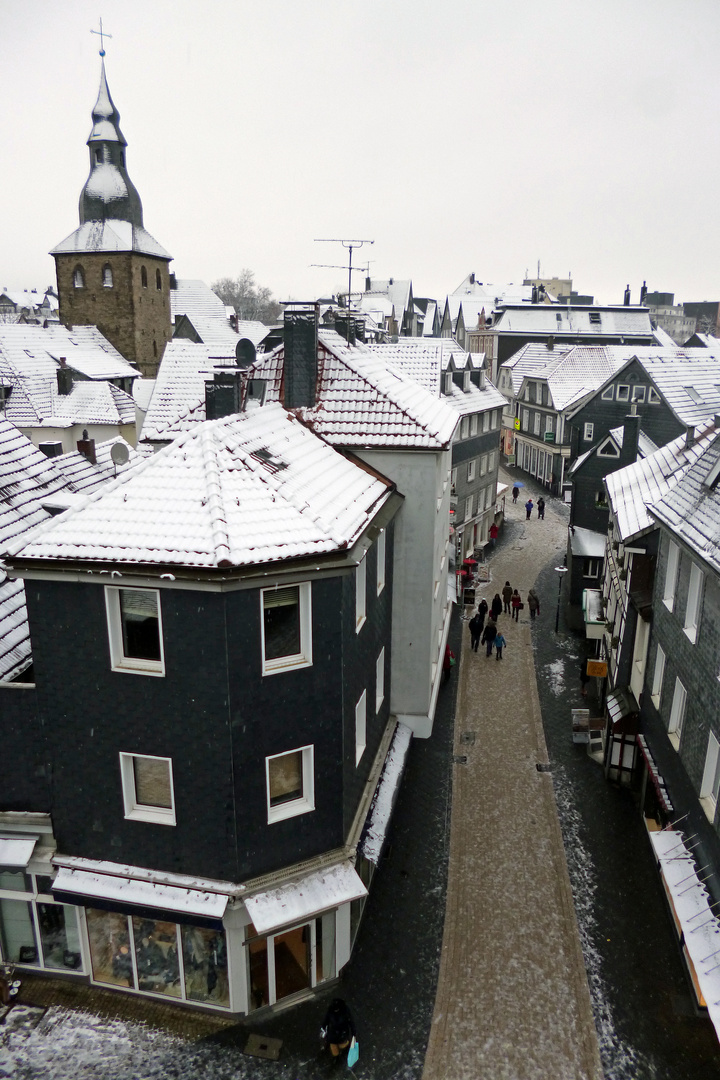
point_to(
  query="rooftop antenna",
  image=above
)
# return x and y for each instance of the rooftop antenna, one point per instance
(349, 245)
(102, 35)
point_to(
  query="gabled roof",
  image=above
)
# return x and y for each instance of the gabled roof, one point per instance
(363, 402)
(178, 400)
(572, 372)
(425, 361)
(245, 490)
(491, 294)
(616, 436)
(636, 487)
(691, 508)
(36, 350)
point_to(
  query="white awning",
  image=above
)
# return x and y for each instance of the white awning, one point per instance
(299, 900)
(16, 851)
(143, 894)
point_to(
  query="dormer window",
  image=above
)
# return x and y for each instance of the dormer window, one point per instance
(107, 277)
(78, 278)
(595, 318)
(143, 277)
(447, 382)
(466, 381)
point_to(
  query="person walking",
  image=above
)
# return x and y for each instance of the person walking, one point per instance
(507, 596)
(448, 663)
(533, 603)
(493, 534)
(488, 638)
(338, 1029)
(528, 509)
(482, 611)
(496, 607)
(516, 602)
(476, 628)
(515, 493)
(499, 644)
(541, 509)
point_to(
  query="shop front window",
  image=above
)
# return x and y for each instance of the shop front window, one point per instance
(110, 952)
(206, 968)
(156, 956)
(59, 936)
(19, 945)
(34, 930)
(290, 961)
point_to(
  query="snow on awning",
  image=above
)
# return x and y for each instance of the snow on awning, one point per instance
(386, 794)
(123, 893)
(698, 927)
(299, 900)
(16, 851)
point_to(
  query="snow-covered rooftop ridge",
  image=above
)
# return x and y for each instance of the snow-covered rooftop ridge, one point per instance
(690, 509)
(638, 486)
(426, 360)
(112, 234)
(562, 319)
(178, 400)
(248, 489)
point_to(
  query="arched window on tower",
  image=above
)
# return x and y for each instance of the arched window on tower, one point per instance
(158, 280)
(107, 277)
(143, 277)
(98, 155)
(78, 277)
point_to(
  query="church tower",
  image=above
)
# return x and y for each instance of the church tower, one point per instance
(111, 273)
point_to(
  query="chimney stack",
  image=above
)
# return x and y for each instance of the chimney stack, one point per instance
(626, 298)
(222, 394)
(86, 447)
(643, 293)
(64, 378)
(301, 346)
(631, 435)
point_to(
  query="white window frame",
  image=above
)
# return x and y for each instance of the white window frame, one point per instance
(304, 657)
(491, 460)
(588, 430)
(671, 575)
(537, 421)
(483, 464)
(653, 396)
(608, 393)
(525, 419)
(658, 676)
(486, 421)
(468, 508)
(638, 394)
(360, 594)
(692, 607)
(381, 567)
(677, 713)
(710, 787)
(622, 393)
(549, 423)
(464, 427)
(360, 727)
(132, 665)
(306, 802)
(448, 382)
(380, 679)
(135, 811)
(471, 470)
(473, 424)
(453, 478)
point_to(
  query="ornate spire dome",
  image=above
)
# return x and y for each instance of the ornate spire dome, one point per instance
(109, 192)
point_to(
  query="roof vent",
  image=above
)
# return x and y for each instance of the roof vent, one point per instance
(50, 449)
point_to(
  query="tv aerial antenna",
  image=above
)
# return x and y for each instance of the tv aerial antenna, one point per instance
(350, 246)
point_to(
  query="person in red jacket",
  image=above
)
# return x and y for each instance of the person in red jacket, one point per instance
(493, 534)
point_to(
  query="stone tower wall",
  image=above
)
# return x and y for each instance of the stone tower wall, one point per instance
(134, 317)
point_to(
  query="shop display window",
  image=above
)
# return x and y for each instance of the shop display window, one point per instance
(110, 952)
(35, 930)
(206, 968)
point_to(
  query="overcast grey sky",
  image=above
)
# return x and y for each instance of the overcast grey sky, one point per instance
(460, 136)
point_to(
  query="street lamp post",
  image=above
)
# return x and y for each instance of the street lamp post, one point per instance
(559, 570)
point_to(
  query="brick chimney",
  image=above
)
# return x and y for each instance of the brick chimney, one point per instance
(86, 447)
(301, 345)
(64, 378)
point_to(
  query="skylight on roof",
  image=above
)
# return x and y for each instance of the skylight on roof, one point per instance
(693, 394)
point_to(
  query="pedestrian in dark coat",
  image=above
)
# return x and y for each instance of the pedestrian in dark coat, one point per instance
(338, 1028)
(516, 601)
(516, 492)
(541, 509)
(528, 509)
(475, 627)
(488, 637)
(483, 610)
(533, 603)
(496, 607)
(507, 596)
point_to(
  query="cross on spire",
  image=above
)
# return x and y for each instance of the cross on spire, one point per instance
(102, 35)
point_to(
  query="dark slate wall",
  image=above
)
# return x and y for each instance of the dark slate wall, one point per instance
(25, 774)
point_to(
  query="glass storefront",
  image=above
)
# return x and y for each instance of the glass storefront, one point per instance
(290, 961)
(35, 930)
(158, 957)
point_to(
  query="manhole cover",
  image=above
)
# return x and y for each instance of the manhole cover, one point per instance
(543, 766)
(460, 759)
(263, 1047)
(468, 737)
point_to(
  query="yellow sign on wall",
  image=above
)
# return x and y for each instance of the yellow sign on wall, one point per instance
(597, 668)
(517, 423)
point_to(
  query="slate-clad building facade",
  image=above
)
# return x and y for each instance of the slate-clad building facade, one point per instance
(193, 769)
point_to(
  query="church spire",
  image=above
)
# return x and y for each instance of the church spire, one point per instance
(109, 192)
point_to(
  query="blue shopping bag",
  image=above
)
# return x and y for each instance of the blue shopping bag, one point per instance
(353, 1053)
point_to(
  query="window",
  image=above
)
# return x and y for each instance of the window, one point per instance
(608, 449)
(34, 930)
(549, 420)
(693, 394)
(474, 424)
(447, 382)
(671, 574)
(601, 499)
(486, 421)
(158, 281)
(536, 423)
(381, 562)
(380, 679)
(453, 479)
(471, 471)
(466, 382)
(464, 427)
(588, 430)
(491, 460)
(290, 784)
(107, 277)
(658, 676)
(147, 786)
(677, 713)
(286, 628)
(653, 396)
(710, 787)
(78, 278)
(591, 568)
(360, 727)
(526, 419)
(360, 597)
(608, 393)
(595, 317)
(143, 277)
(638, 393)
(135, 630)
(622, 393)
(468, 508)
(692, 608)
(483, 464)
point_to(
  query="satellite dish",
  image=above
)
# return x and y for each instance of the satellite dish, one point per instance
(245, 352)
(119, 453)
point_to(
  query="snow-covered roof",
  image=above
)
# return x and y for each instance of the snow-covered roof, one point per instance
(112, 234)
(571, 319)
(425, 360)
(491, 294)
(636, 487)
(691, 507)
(178, 401)
(36, 350)
(571, 371)
(84, 476)
(248, 489)
(297, 901)
(587, 544)
(361, 401)
(193, 297)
